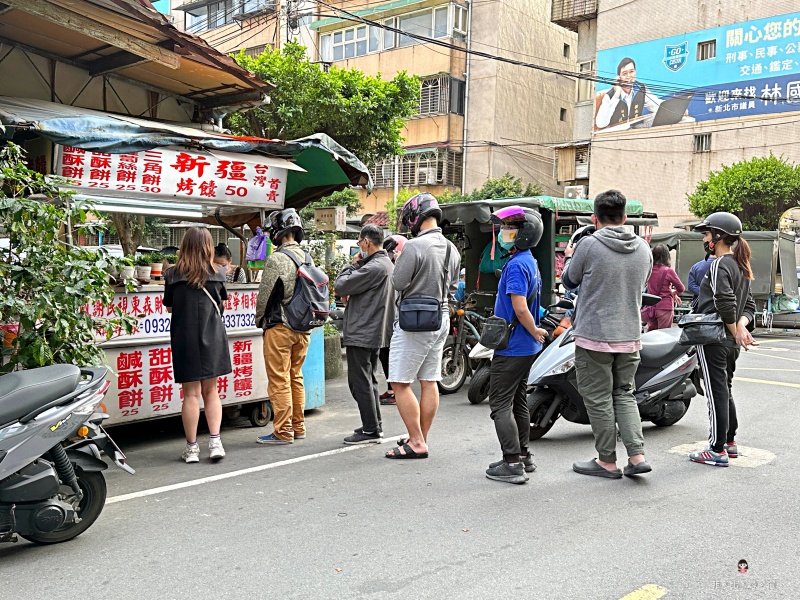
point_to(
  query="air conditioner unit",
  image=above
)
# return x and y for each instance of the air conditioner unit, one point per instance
(426, 176)
(575, 191)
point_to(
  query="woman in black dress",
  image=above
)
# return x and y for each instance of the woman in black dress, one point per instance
(194, 292)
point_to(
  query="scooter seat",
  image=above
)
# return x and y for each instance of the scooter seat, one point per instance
(661, 346)
(24, 391)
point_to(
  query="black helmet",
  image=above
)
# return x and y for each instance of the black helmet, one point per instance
(416, 209)
(282, 222)
(529, 222)
(723, 224)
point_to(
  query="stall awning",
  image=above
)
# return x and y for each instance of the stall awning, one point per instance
(325, 165)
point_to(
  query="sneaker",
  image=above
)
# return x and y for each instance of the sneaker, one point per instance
(732, 449)
(386, 395)
(508, 473)
(387, 399)
(215, 449)
(709, 457)
(272, 440)
(527, 464)
(361, 437)
(191, 454)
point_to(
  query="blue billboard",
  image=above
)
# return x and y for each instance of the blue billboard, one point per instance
(738, 70)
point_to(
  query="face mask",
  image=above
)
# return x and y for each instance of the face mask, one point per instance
(364, 254)
(709, 248)
(506, 238)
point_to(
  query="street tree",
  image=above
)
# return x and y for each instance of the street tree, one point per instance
(365, 114)
(758, 191)
(506, 186)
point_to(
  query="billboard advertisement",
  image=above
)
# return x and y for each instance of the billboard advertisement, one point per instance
(735, 71)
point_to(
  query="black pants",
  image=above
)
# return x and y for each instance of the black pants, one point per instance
(718, 363)
(384, 356)
(508, 382)
(362, 378)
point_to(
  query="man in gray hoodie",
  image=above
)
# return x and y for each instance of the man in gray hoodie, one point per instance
(611, 267)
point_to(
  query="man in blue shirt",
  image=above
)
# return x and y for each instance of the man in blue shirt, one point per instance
(696, 275)
(518, 299)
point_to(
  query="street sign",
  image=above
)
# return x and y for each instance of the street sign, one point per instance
(332, 218)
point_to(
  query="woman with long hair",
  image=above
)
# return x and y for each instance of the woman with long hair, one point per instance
(223, 257)
(725, 290)
(665, 283)
(194, 292)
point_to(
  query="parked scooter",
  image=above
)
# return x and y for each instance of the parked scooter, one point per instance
(481, 358)
(51, 484)
(666, 380)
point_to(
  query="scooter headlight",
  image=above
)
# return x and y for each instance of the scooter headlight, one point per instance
(565, 366)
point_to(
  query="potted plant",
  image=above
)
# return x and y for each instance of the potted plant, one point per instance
(128, 270)
(169, 260)
(142, 263)
(156, 262)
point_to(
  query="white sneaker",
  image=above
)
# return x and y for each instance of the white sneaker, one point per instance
(191, 454)
(215, 449)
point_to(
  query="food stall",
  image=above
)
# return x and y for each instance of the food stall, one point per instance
(125, 164)
(469, 223)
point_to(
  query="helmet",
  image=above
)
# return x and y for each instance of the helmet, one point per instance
(529, 222)
(282, 222)
(580, 233)
(394, 243)
(723, 224)
(416, 209)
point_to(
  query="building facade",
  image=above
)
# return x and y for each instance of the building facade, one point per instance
(717, 83)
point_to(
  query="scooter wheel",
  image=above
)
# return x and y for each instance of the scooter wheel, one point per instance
(454, 370)
(479, 386)
(93, 485)
(539, 401)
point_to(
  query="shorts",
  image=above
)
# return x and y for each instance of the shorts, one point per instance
(417, 355)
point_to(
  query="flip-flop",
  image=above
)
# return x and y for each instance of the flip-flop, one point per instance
(409, 453)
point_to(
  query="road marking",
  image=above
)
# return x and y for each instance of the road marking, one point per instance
(773, 356)
(221, 476)
(766, 382)
(650, 591)
(738, 368)
(749, 458)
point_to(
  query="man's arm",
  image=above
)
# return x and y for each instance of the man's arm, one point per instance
(269, 278)
(404, 268)
(574, 259)
(355, 279)
(525, 318)
(743, 336)
(606, 110)
(694, 285)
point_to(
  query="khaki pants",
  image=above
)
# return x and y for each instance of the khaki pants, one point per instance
(284, 353)
(606, 382)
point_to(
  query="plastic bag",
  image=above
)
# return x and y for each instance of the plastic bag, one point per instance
(257, 246)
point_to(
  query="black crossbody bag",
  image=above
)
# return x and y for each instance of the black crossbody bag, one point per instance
(700, 329)
(424, 313)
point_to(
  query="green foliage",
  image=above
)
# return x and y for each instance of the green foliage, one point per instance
(47, 283)
(363, 113)
(506, 186)
(170, 258)
(154, 258)
(321, 247)
(330, 330)
(758, 191)
(132, 229)
(143, 260)
(347, 197)
(393, 206)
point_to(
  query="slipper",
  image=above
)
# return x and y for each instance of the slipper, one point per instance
(590, 467)
(409, 453)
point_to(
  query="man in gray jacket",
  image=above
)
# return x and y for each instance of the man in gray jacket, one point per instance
(367, 328)
(611, 267)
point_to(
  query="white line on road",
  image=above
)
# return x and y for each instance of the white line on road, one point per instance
(221, 476)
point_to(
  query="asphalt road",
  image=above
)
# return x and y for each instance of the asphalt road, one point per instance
(313, 521)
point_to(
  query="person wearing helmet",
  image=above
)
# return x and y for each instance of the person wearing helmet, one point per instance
(518, 301)
(422, 269)
(611, 266)
(284, 349)
(724, 290)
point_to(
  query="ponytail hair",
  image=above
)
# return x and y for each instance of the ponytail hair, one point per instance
(741, 254)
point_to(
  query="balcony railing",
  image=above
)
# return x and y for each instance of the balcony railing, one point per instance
(568, 13)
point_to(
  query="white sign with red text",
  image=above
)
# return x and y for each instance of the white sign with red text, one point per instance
(175, 173)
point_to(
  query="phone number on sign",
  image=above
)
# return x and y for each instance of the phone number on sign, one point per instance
(152, 325)
(232, 321)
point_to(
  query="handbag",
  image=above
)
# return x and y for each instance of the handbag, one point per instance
(424, 313)
(699, 329)
(496, 331)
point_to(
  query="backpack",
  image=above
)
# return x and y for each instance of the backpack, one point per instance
(310, 303)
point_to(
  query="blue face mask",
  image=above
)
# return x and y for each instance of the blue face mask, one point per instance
(505, 245)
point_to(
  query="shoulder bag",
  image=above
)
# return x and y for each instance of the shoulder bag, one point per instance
(699, 329)
(216, 306)
(497, 331)
(424, 313)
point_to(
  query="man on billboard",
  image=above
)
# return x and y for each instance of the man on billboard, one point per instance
(626, 100)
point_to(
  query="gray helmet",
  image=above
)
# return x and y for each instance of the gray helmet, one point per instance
(723, 224)
(282, 222)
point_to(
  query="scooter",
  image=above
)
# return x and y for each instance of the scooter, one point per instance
(51, 484)
(481, 358)
(666, 380)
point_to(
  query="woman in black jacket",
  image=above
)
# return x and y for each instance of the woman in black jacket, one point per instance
(194, 291)
(724, 290)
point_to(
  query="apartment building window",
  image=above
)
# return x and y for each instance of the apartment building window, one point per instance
(562, 115)
(460, 15)
(389, 37)
(347, 43)
(430, 23)
(256, 51)
(566, 50)
(434, 167)
(458, 90)
(707, 50)
(586, 86)
(702, 143)
(433, 95)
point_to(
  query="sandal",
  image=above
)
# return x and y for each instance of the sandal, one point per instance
(409, 453)
(402, 441)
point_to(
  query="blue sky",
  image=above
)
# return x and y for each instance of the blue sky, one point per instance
(161, 6)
